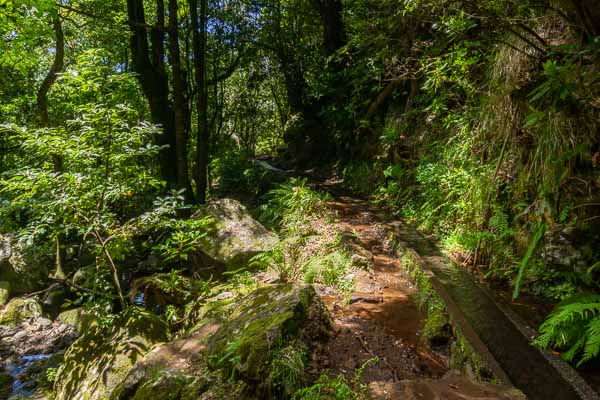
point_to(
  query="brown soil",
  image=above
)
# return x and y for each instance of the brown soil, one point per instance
(380, 319)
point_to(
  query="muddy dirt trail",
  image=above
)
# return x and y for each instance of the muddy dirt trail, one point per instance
(381, 319)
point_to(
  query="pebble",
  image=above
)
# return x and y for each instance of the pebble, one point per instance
(225, 296)
(17, 337)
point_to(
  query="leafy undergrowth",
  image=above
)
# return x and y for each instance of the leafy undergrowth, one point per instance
(337, 388)
(311, 248)
(574, 326)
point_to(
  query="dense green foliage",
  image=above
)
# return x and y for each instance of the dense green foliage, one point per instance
(470, 155)
(337, 388)
(475, 120)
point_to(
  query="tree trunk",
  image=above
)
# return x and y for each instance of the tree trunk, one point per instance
(181, 110)
(202, 138)
(154, 81)
(334, 32)
(50, 78)
(42, 105)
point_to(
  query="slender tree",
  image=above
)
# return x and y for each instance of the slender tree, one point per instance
(181, 110)
(203, 136)
(42, 105)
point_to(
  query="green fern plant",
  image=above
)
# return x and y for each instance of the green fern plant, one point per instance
(500, 225)
(285, 259)
(575, 326)
(288, 369)
(292, 200)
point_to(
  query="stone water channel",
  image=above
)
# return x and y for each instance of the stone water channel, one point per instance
(497, 333)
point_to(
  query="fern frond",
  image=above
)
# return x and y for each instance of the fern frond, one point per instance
(592, 344)
(574, 349)
(574, 324)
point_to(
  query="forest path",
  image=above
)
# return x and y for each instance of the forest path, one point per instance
(381, 318)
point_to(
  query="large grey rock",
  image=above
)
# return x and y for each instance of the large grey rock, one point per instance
(564, 248)
(236, 236)
(19, 310)
(104, 355)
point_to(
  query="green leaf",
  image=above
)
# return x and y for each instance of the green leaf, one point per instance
(538, 235)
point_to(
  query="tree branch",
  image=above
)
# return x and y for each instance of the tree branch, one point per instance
(228, 72)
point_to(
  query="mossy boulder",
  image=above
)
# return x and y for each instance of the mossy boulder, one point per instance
(236, 236)
(236, 348)
(169, 385)
(4, 292)
(259, 326)
(77, 318)
(19, 310)
(104, 355)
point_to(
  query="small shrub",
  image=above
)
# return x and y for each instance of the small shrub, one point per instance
(327, 388)
(286, 259)
(292, 201)
(185, 238)
(311, 249)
